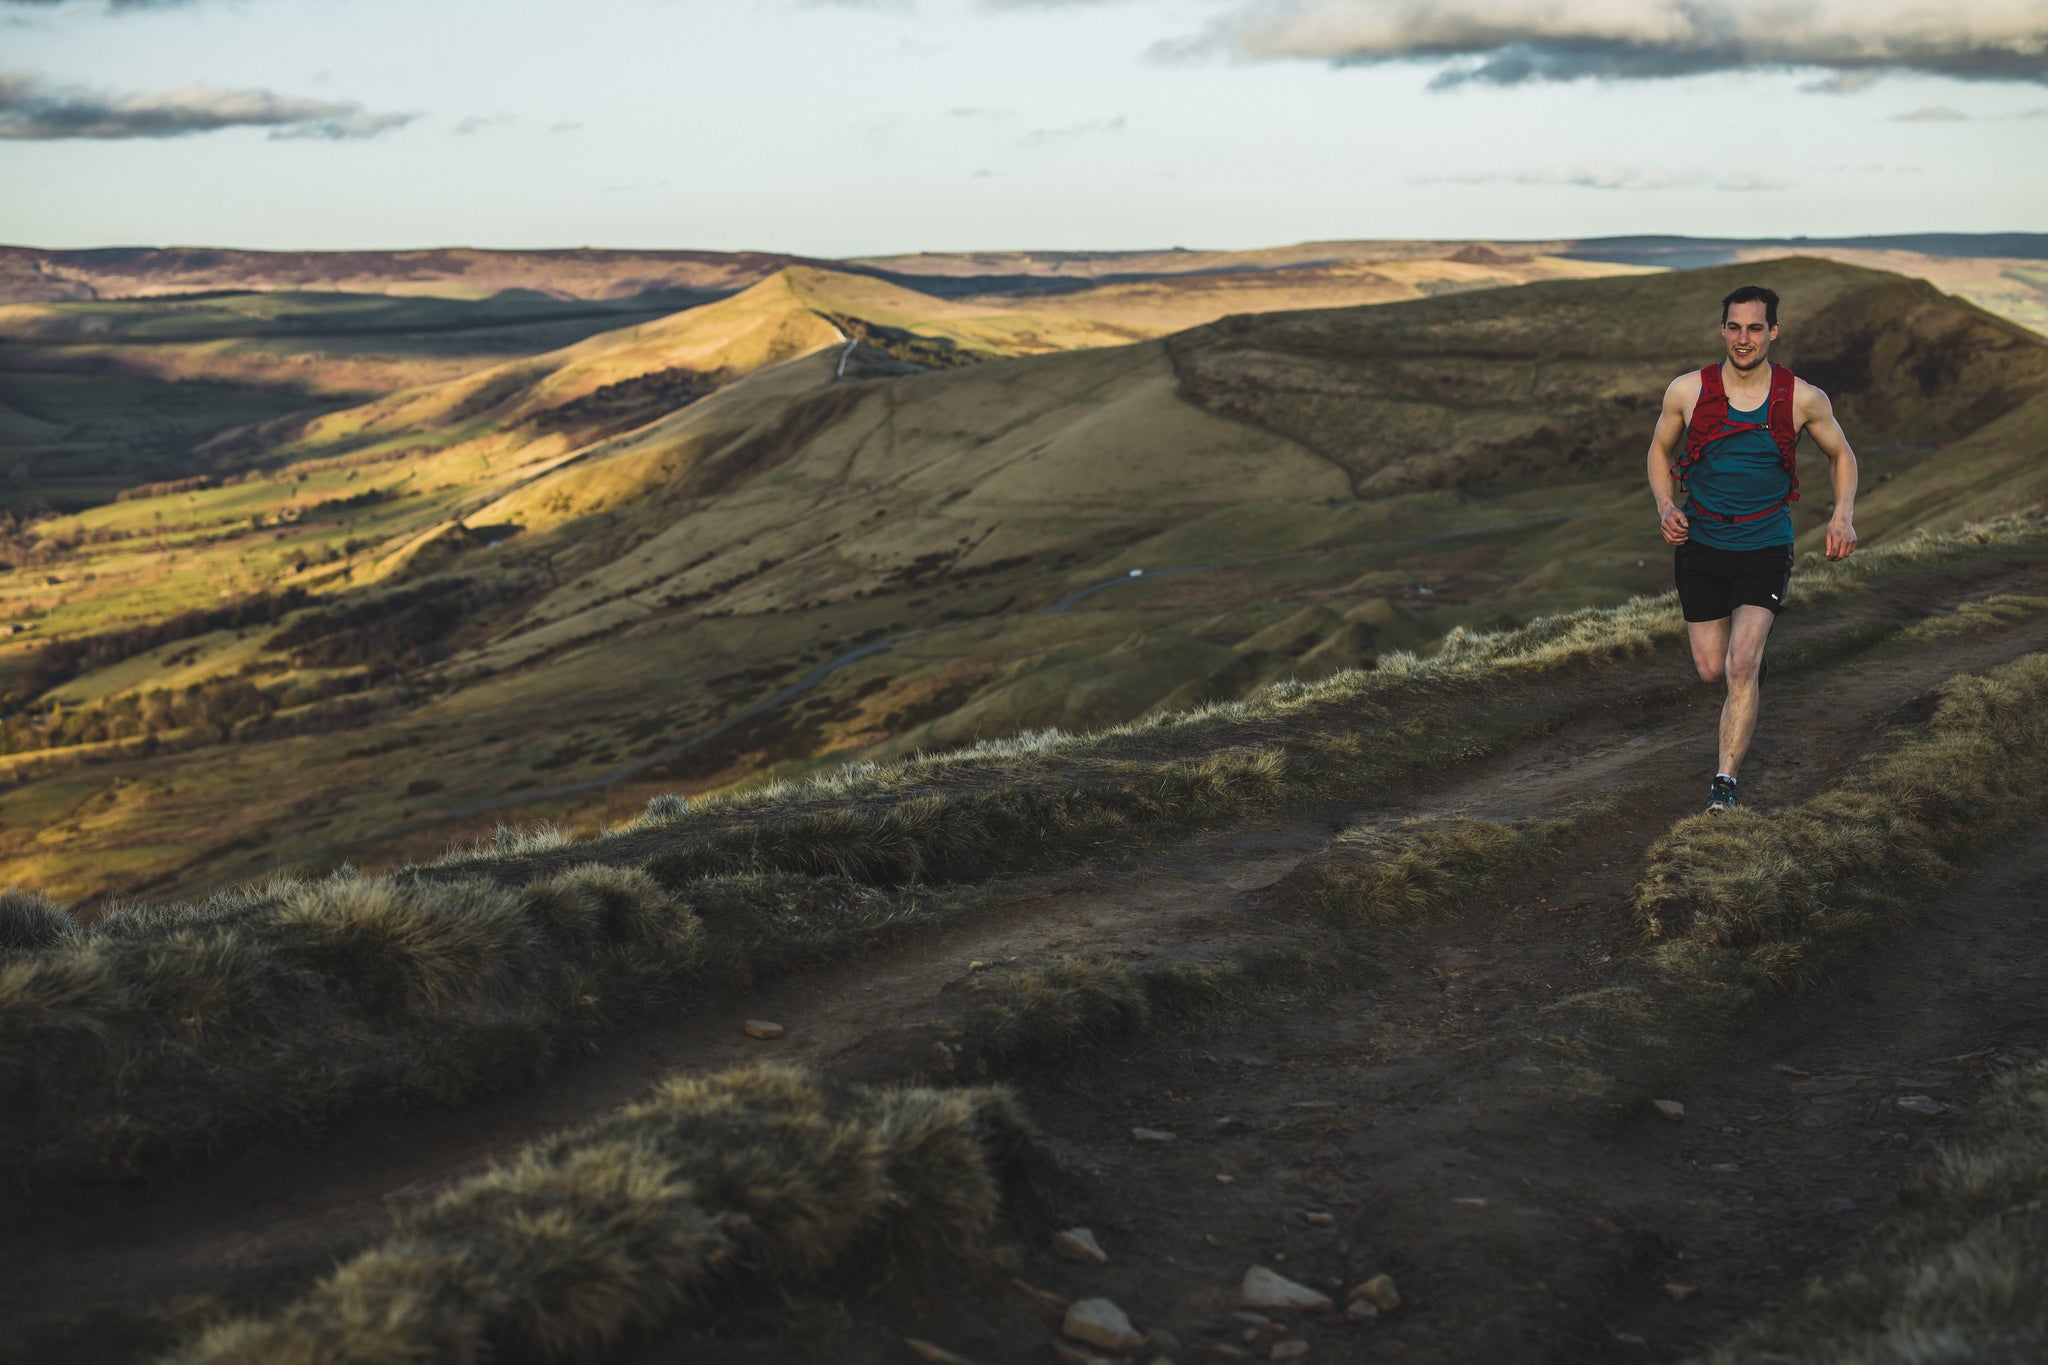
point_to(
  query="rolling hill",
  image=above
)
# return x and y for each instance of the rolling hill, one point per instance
(742, 540)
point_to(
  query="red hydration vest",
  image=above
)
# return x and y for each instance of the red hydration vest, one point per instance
(1710, 423)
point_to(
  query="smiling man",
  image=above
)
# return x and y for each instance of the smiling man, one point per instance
(1728, 434)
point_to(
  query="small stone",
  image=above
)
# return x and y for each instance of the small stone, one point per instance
(1212, 1239)
(1681, 1293)
(1924, 1105)
(1222, 1179)
(1044, 1298)
(1470, 1201)
(1379, 1291)
(1315, 1218)
(1670, 1109)
(977, 966)
(1150, 1135)
(1164, 1341)
(935, 1355)
(1252, 1319)
(1079, 1244)
(761, 1028)
(1358, 1310)
(1263, 1288)
(1101, 1323)
(1228, 1351)
(1289, 1350)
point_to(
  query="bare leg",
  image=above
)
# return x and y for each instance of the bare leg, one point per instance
(1751, 628)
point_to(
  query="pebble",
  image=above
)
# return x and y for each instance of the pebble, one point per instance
(1670, 1109)
(1925, 1105)
(1251, 1319)
(1079, 1244)
(1101, 1323)
(1150, 1135)
(1289, 1350)
(1263, 1288)
(1212, 1239)
(1167, 1343)
(1358, 1310)
(977, 966)
(1229, 1352)
(1222, 1179)
(761, 1028)
(1315, 1218)
(1681, 1293)
(1044, 1298)
(934, 1355)
(1379, 1291)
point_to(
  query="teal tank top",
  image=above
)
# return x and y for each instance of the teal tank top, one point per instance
(1737, 475)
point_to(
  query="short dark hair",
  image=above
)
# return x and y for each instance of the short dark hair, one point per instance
(1753, 293)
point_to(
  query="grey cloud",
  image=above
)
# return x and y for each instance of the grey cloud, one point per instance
(32, 111)
(1514, 42)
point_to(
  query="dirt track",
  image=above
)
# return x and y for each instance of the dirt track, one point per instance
(1523, 1224)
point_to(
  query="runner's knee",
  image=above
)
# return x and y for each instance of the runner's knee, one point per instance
(1711, 669)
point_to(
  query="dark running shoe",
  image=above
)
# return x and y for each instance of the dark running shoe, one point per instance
(1721, 795)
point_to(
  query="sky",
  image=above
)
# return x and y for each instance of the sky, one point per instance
(855, 127)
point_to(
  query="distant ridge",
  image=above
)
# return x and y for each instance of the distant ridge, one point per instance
(1687, 253)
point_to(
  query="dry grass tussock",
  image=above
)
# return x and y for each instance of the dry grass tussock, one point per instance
(714, 1185)
(1549, 643)
(168, 1026)
(1953, 1274)
(1752, 901)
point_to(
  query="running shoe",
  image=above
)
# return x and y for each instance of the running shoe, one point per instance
(1721, 795)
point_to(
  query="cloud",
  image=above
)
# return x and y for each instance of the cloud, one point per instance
(476, 123)
(1632, 178)
(1514, 42)
(1071, 130)
(31, 111)
(1931, 113)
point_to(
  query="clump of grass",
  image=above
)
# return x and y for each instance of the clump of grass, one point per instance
(1953, 1273)
(30, 920)
(714, 1185)
(975, 833)
(1428, 867)
(167, 1027)
(1740, 904)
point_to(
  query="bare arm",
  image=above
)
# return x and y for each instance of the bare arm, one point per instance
(1670, 431)
(1811, 407)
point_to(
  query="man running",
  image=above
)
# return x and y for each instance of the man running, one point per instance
(1729, 432)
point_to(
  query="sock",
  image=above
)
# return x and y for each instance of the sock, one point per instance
(1723, 777)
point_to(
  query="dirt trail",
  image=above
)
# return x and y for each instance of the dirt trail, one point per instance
(1404, 1087)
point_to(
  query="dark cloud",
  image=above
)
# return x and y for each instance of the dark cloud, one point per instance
(1515, 42)
(32, 111)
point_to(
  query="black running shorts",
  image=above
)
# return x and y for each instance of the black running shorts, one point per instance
(1713, 583)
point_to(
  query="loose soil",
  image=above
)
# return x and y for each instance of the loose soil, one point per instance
(1523, 1220)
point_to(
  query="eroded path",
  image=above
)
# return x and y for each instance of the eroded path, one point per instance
(1525, 1223)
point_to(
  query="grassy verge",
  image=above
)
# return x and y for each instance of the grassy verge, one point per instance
(714, 1186)
(169, 1028)
(1744, 904)
(1954, 1273)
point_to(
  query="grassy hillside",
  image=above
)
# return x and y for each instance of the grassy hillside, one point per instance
(558, 586)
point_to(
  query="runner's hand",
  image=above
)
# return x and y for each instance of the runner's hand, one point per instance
(1675, 527)
(1841, 537)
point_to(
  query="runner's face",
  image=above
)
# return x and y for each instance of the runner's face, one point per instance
(1748, 336)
